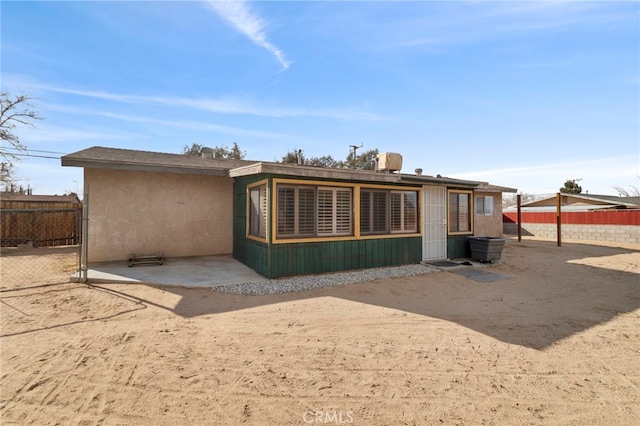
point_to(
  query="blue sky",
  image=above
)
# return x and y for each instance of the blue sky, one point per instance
(520, 94)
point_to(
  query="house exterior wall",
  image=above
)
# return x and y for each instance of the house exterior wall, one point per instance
(148, 212)
(279, 258)
(483, 226)
(489, 225)
(298, 257)
(458, 246)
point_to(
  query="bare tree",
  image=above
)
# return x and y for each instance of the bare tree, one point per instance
(7, 177)
(509, 200)
(14, 112)
(630, 191)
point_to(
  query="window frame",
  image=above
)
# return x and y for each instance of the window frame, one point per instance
(403, 212)
(337, 211)
(392, 224)
(470, 210)
(303, 219)
(355, 189)
(481, 205)
(324, 215)
(376, 216)
(262, 188)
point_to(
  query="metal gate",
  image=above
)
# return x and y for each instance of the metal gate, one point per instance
(39, 246)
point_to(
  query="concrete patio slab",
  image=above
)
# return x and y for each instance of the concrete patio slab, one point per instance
(205, 271)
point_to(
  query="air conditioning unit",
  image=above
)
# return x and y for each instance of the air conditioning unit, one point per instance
(389, 162)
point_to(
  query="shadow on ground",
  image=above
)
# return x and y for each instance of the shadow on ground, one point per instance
(534, 308)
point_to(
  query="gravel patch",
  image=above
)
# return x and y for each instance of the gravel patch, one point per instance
(309, 282)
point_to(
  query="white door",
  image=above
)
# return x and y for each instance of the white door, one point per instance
(434, 240)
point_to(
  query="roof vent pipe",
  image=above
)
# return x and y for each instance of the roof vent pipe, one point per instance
(299, 157)
(419, 172)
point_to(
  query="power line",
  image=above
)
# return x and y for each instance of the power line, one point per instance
(34, 150)
(36, 156)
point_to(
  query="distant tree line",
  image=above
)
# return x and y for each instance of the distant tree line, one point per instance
(363, 161)
(222, 152)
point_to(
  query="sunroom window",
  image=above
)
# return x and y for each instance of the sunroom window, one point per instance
(460, 212)
(308, 211)
(374, 211)
(384, 211)
(334, 211)
(258, 211)
(296, 211)
(404, 211)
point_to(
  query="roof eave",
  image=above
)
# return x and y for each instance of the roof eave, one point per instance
(313, 172)
(100, 164)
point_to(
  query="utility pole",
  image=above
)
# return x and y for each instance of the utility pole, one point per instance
(355, 150)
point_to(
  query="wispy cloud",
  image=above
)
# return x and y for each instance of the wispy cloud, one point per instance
(222, 106)
(246, 21)
(44, 135)
(473, 22)
(184, 125)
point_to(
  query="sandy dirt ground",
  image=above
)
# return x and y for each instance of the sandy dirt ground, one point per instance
(557, 342)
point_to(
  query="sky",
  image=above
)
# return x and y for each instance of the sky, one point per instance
(519, 94)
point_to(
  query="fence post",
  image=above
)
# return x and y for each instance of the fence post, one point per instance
(519, 198)
(559, 217)
(85, 239)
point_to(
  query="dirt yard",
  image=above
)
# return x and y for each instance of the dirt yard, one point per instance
(558, 342)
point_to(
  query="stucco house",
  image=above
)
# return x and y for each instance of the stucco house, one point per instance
(279, 219)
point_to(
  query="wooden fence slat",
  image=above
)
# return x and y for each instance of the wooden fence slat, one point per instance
(43, 227)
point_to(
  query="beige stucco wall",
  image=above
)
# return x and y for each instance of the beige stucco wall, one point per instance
(148, 212)
(489, 226)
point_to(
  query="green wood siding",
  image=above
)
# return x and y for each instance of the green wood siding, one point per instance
(458, 247)
(332, 256)
(250, 252)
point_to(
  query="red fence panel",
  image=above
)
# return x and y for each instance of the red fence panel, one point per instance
(599, 217)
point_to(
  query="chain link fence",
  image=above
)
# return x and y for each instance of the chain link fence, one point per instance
(39, 246)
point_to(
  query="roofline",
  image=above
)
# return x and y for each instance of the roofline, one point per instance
(497, 188)
(586, 197)
(147, 161)
(312, 172)
(359, 175)
(441, 181)
(602, 200)
(144, 167)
